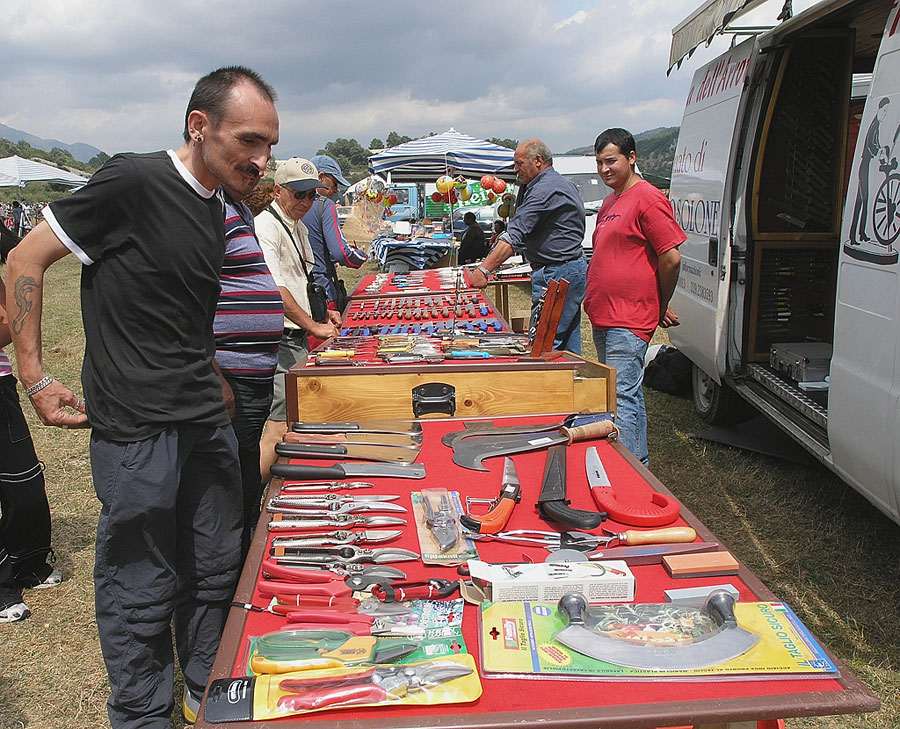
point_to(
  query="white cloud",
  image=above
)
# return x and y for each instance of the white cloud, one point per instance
(118, 74)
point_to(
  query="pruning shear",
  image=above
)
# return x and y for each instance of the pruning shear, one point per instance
(338, 537)
(375, 685)
(302, 650)
(347, 555)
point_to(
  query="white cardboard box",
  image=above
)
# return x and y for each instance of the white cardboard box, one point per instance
(609, 581)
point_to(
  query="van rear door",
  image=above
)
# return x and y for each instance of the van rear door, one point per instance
(864, 387)
(699, 178)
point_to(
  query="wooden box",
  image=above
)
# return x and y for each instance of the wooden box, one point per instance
(568, 383)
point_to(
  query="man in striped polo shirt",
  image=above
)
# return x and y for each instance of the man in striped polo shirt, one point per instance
(248, 326)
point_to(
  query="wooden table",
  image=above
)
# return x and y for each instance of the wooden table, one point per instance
(511, 703)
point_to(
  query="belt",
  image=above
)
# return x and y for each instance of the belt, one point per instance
(295, 333)
(538, 267)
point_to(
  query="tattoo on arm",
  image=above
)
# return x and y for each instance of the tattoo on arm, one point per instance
(23, 293)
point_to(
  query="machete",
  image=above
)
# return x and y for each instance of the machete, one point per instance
(553, 504)
(486, 427)
(389, 454)
(339, 471)
(721, 644)
(470, 452)
(407, 427)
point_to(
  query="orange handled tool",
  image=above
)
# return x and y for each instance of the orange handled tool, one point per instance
(669, 535)
(495, 519)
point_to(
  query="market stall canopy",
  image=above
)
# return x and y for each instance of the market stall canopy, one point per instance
(703, 24)
(426, 159)
(16, 171)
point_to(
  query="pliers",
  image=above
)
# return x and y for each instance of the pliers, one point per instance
(279, 505)
(301, 520)
(374, 685)
(351, 555)
(335, 538)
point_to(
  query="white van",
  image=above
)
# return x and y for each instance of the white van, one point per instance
(789, 189)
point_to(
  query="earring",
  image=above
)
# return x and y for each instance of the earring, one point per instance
(199, 139)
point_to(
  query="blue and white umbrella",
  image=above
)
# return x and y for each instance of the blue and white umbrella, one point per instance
(449, 153)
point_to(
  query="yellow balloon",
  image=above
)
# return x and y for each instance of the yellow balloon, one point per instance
(503, 211)
(465, 194)
(444, 183)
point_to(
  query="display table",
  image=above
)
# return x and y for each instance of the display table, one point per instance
(571, 703)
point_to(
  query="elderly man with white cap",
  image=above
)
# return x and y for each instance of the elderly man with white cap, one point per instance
(284, 240)
(328, 243)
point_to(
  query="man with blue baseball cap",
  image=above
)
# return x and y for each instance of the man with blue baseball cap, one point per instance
(330, 248)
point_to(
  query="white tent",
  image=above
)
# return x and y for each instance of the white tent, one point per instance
(16, 172)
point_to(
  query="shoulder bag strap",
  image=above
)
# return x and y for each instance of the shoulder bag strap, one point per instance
(287, 230)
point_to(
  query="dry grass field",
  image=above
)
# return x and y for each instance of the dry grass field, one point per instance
(811, 539)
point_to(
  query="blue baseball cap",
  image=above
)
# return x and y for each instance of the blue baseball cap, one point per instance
(324, 163)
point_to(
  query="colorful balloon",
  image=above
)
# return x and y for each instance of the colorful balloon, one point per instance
(435, 197)
(499, 185)
(444, 183)
(503, 211)
(487, 182)
(392, 198)
(466, 193)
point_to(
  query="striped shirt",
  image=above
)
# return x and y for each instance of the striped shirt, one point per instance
(5, 366)
(250, 314)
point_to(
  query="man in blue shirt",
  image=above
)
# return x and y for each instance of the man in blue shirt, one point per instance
(547, 230)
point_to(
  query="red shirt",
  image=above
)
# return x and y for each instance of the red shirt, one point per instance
(633, 229)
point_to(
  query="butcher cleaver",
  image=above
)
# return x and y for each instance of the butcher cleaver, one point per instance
(470, 453)
(726, 641)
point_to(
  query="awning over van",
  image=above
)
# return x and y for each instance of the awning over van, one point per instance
(703, 24)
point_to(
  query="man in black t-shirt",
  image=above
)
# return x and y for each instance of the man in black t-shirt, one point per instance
(149, 229)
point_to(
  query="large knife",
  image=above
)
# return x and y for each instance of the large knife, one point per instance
(407, 427)
(340, 471)
(657, 510)
(474, 428)
(400, 440)
(389, 454)
(470, 453)
(552, 502)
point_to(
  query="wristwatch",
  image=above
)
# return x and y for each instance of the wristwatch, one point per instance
(487, 274)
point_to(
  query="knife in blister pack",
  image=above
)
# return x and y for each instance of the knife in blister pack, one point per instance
(339, 471)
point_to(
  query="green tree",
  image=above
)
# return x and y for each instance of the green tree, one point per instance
(393, 139)
(97, 161)
(508, 143)
(376, 143)
(350, 155)
(63, 158)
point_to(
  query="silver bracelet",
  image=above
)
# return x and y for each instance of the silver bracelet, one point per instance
(487, 274)
(38, 386)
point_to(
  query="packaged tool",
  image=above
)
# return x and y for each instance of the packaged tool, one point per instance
(436, 512)
(609, 581)
(446, 680)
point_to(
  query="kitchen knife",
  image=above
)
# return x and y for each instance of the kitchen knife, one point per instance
(389, 454)
(408, 427)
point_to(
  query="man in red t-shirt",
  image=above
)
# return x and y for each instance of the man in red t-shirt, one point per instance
(631, 278)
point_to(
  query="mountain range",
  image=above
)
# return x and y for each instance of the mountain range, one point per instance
(80, 151)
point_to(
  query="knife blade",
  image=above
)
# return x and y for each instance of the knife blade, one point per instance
(400, 440)
(408, 427)
(388, 454)
(304, 472)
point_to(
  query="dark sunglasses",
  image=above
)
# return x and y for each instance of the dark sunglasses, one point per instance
(308, 195)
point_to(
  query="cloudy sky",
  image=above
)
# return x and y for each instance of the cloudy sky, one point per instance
(118, 74)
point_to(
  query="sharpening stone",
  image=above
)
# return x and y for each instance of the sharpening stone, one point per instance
(704, 564)
(695, 597)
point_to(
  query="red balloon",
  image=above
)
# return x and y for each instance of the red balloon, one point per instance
(445, 197)
(499, 185)
(392, 199)
(453, 196)
(491, 195)
(487, 182)
(436, 197)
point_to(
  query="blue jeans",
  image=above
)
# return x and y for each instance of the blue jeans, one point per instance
(568, 332)
(624, 350)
